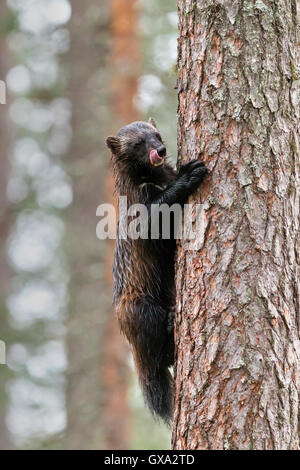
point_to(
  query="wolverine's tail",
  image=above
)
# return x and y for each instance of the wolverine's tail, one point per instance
(157, 388)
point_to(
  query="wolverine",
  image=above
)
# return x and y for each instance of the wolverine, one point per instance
(143, 270)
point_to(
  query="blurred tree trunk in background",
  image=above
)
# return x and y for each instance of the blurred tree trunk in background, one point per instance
(4, 224)
(238, 292)
(90, 298)
(125, 61)
(125, 58)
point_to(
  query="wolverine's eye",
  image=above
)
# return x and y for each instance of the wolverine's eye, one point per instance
(140, 142)
(158, 136)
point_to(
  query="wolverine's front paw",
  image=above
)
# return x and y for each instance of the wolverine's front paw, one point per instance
(190, 167)
(198, 174)
(193, 173)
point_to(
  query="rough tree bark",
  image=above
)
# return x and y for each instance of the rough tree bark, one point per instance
(238, 295)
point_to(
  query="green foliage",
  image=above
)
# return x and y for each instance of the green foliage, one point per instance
(9, 23)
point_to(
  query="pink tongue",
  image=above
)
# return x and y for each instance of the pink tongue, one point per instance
(155, 159)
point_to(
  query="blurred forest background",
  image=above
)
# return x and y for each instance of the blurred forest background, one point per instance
(75, 72)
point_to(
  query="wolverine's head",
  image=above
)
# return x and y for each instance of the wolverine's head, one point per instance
(138, 145)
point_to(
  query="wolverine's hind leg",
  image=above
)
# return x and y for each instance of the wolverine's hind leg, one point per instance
(152, 332)
(146, 327)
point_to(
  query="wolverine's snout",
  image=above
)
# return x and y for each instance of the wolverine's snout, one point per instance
(162, 151)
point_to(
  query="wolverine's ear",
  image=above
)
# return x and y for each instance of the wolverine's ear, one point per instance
(114, 144)
(152, 122)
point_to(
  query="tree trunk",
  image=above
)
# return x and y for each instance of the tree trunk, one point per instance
(88, 165)
(238, 292)
(124, 67)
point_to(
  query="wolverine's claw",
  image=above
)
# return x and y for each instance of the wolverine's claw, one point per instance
(190, 167)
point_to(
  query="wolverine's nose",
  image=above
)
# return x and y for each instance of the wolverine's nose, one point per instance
(161, 151)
